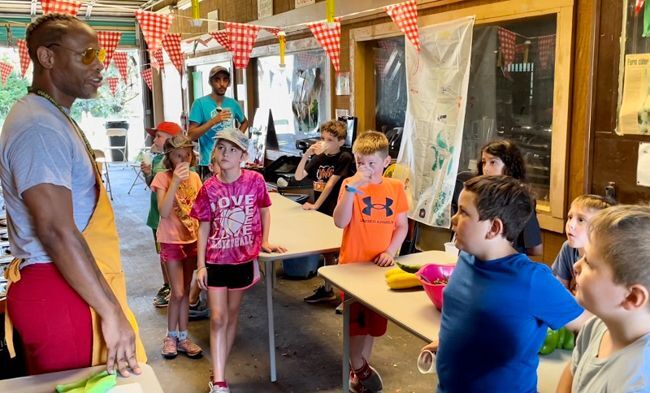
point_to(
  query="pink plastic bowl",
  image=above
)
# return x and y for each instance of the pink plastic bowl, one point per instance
(428, 274)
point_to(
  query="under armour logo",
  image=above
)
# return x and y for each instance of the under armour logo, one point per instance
(369, 206)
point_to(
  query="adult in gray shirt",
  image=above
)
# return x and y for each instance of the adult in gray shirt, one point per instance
(55, 210)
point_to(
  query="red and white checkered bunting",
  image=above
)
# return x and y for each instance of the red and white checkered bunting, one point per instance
(507, 46)
(273, 30)
(24, 57)
(109, 41)
(148, 78)
(121, 59)
(242, 38)
(329, 37)
(70, 7)
(638, 7)
(545, 50)
(153, 26)
(5, 70)
(157, 61)
(405, 16)
(222, 38)
(112, 84)
(172, 44)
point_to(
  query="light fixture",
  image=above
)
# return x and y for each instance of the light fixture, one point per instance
(184, 4)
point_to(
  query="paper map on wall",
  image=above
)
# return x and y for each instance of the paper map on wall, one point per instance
(435, 116)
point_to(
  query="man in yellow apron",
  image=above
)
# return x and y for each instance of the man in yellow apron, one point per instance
(67, 294)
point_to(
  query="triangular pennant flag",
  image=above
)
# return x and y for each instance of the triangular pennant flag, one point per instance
(109, 41)
(172, 44)
(273, 30)
(507, 46)
(70, 7)
(148, 78)
(242, 39)
(24, 57)
(5, 70)
(405, 16)
(545, 49)
(157, 61)
(121, 59)
(222, 38)
(328, 36)
(153, 26)
(112, 84)
(638, 6)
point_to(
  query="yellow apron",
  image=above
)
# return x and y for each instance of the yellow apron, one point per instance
(103, 241)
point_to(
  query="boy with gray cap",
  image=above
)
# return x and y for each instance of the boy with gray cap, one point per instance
(212, 113)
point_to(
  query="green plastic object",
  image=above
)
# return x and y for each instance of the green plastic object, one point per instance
(550, 343)
(98, 383)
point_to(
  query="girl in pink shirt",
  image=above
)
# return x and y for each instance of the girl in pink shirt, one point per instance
(233, 210)
(176, 189)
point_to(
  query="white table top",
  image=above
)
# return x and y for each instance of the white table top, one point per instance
(146, 382)
(301, 232)
(412, 309)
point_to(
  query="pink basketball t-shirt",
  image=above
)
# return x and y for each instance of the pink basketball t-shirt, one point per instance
(233, 211)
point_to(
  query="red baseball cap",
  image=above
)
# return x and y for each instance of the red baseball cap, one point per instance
(166, 126)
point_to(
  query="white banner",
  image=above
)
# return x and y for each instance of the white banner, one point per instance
(437, 78)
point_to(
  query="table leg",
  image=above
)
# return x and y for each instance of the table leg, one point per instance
(268, 271)
(346, 345)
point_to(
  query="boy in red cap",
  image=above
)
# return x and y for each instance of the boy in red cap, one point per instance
(160, 134)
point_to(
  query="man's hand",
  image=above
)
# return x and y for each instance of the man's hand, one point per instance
(146, 169)
(384, 259)
(222, 115)
(120, 341)
(309, 206)
(268, 247)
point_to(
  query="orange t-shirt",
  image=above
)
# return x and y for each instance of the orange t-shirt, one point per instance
(374, 216)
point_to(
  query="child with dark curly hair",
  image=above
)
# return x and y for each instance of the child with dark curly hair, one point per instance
(503, 157)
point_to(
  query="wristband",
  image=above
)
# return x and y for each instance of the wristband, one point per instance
(352, 189)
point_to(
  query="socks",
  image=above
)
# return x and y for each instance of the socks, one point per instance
(173, 334)
(182, 335)
(221, 384)
(364, 372)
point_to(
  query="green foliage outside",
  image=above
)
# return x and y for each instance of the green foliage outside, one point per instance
(105, 105)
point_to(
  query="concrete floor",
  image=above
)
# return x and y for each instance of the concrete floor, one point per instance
(308, 337)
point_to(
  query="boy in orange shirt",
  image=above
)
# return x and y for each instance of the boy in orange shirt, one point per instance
(371, 209)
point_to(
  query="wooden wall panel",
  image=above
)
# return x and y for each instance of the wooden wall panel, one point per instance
(614, 157)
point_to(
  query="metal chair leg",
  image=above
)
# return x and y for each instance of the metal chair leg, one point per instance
(108, 181)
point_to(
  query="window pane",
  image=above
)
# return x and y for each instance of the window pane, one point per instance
(297, 95)
(510, 94)
(390, 83)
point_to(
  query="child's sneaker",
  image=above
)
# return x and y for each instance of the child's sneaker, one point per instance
(162, 297)
(354, 386)
(190, 349)
(169, 349)
(369, 379)
(199, 310)
(320, 295)
(218, 389)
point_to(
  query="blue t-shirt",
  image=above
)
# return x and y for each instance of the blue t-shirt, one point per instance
(494, 321)
(204, 109)
(563, 265)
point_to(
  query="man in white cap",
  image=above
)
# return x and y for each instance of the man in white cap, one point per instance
(212, 113)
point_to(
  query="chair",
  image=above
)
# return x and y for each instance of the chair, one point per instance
(102, 165)
(118, 132)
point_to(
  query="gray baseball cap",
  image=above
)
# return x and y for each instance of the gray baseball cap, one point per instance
(217, 69)
(234, 136)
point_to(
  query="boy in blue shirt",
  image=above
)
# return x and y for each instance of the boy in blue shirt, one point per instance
(498, 303)
(212, 113)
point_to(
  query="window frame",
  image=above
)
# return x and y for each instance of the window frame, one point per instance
(551, 214)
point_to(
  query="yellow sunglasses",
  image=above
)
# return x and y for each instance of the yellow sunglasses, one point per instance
(87, 56)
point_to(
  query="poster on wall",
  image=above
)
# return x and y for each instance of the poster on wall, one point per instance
(634, 113)
(302, 3)
(264, 9)
(437, 80)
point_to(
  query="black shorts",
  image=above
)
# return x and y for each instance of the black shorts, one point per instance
(231, 276)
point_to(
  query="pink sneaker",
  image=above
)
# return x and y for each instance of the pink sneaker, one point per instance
(169, 349)
(190, 349)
